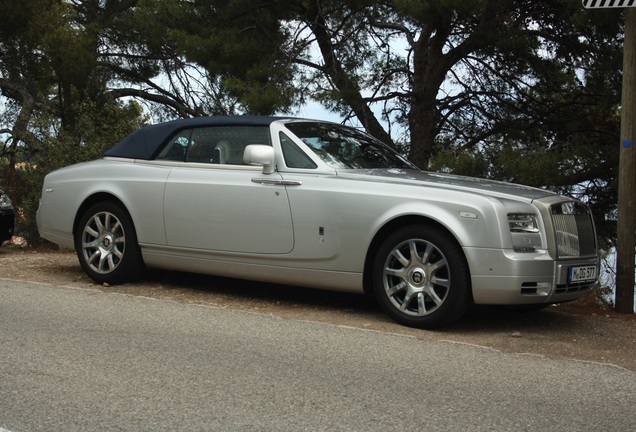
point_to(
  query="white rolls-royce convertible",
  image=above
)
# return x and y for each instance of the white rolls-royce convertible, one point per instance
(317, 204)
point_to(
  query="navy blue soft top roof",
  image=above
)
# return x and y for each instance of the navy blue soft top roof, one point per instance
(144, 142)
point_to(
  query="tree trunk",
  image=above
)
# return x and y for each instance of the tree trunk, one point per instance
(429, 71)
(348, 89)
(627, 175)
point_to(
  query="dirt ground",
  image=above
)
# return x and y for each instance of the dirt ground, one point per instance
(575, 330)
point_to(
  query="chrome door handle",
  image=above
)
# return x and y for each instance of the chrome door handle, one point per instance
(276, 182)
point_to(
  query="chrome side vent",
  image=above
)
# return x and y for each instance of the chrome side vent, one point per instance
(574, 230)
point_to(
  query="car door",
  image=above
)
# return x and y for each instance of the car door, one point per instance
(213, 201)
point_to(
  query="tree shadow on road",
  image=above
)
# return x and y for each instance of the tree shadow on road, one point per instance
(265, 296)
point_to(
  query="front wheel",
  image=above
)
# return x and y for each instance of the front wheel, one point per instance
(106, 244)
(421, 278)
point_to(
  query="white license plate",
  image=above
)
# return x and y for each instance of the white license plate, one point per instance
(582, 274)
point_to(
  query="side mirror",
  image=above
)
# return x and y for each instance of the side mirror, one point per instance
(257, 154)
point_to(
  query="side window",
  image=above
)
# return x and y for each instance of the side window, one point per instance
(294, 156)
(175, 149)
(214, 144)
(225, 144)
(203, 148)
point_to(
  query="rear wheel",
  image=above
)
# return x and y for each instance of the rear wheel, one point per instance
(421, 278)
(106, 244)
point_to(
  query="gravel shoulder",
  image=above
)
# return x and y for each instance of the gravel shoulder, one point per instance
(575, 331)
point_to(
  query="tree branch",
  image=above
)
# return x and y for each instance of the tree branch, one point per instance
(182, 109)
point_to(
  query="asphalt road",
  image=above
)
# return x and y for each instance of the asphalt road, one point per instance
(83, 360)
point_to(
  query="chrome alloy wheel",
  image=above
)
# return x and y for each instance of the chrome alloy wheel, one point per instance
(103, 242)
(416, 277)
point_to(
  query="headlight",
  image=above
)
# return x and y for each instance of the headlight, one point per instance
(525, 223)
(525, 232)
(5, 202)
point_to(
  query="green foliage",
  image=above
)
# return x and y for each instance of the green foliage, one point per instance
(99, 129)
(242, 42)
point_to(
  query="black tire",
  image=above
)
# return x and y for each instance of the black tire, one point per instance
(421, 278)
(106, 244)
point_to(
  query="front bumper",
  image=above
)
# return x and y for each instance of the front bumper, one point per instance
(509, 278)
(7, 221)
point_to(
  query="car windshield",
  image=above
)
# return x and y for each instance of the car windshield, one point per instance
(342, 147)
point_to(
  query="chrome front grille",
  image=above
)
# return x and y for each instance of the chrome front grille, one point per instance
(574, 230)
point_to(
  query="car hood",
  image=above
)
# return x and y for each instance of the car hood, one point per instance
(449, 181)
